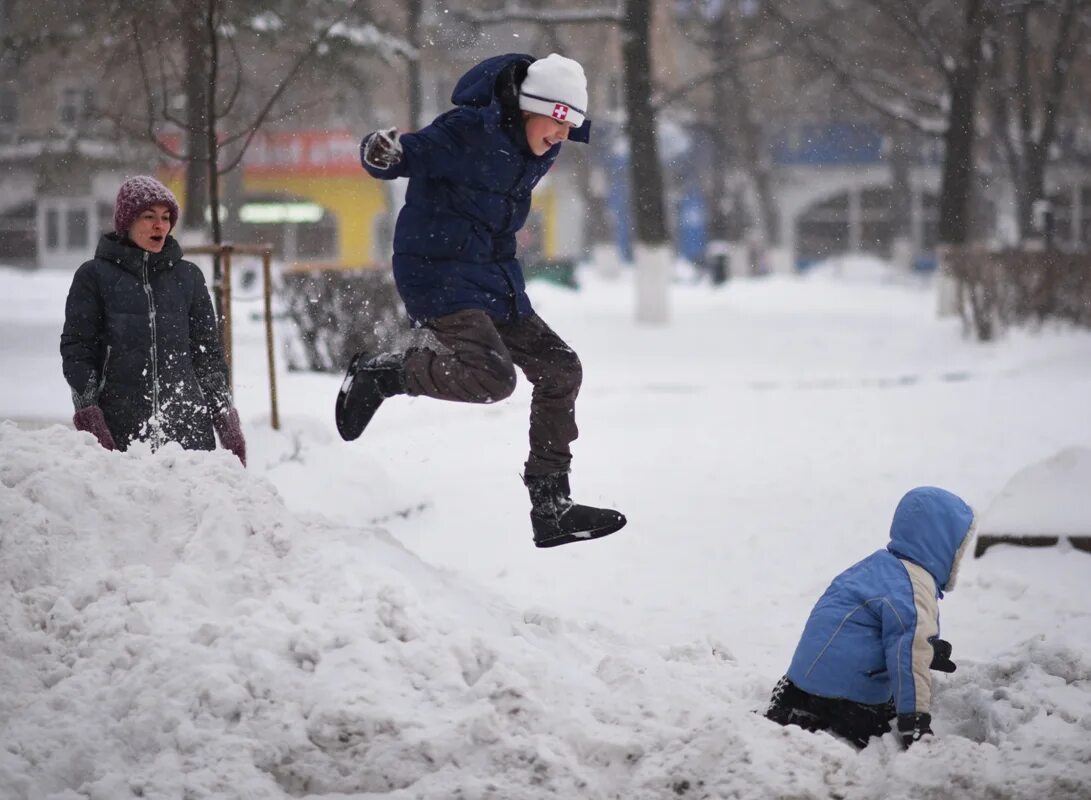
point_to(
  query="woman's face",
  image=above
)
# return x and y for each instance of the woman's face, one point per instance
(150, 230)
(543, 132)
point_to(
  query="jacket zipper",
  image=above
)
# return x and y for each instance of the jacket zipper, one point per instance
(513, 305)
(155, 344)
(105, 367)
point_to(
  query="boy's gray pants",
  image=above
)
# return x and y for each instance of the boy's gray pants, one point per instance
(480, 368)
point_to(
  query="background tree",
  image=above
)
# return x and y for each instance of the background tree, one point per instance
(739, 106)
(654, 254)
(1036, 44)
(919, 64)
(222, 109)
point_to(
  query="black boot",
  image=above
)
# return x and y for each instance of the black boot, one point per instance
(368, 381)
(557, 520)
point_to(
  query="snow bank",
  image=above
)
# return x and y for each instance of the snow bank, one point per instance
(1048, 498)
(172, 630)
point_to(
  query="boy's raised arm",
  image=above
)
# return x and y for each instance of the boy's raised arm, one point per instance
(434, 151)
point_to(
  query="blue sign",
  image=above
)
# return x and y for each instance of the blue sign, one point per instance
(829, 143)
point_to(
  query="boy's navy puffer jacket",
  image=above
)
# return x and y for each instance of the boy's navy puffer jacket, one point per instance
(470, 174)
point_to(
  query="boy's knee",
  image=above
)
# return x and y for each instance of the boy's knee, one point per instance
(575, 373)
(497, 377)
(567, 374)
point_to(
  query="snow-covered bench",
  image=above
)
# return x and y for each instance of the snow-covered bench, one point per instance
(1042, 504)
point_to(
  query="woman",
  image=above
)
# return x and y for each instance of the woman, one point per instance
(140, 346)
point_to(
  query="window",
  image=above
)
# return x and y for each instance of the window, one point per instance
(19, 235)
(52, 228)
(9, 106)
(66, 224)
(105, 218)
(75, 105)
(76, 228)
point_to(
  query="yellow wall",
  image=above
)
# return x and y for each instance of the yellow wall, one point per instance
(355, 202)
(544, 201)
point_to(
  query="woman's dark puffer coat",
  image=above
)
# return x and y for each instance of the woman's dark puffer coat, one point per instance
(140, 341)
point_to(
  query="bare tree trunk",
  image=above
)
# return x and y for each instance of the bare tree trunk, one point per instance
(1039, 134)
(762, 173)
(211, 127)
(647, 178)
(756, 159)
(653, 251)
(211, 153)
(196, 93)
(719, 225)
(416, 100)
(901, 211)
(958, 162)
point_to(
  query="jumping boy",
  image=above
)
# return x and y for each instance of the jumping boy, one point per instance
(867, 648)
(471, 172)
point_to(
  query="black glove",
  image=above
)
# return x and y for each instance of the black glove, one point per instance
(913, 726)
(941, 656)
(382, 149)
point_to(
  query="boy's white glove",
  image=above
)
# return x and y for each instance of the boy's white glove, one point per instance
(382, 149)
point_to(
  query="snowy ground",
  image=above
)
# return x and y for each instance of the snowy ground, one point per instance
(372, 620)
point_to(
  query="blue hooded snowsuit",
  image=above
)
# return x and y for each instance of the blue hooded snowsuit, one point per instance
(868, 639)
(471, 174)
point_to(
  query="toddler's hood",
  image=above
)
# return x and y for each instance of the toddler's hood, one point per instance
(929, 526)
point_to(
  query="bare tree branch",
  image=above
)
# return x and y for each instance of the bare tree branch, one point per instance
(908, 17)
(149, 130)
(1069, 36)
(233, 97)
(252, 129)
(884, 93)
(513, 13)
(673, 95)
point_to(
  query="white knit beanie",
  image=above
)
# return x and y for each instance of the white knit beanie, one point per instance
(556, 87)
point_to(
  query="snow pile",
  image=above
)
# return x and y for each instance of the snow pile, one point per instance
(170, 625)
(850, 268)
(171, 629)
(1045, 499)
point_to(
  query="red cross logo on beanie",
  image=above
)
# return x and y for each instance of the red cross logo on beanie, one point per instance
(560, 111)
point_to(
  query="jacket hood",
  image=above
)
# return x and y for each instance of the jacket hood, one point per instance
(929, 526)
(477, 89)
(112, 247)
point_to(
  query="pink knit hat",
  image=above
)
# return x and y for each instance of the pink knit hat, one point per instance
(137, 195)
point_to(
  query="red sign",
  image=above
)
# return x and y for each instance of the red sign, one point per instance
(295, 153)
(307, 152)
(560, 111)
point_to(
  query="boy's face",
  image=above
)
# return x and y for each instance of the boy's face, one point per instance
(543, 132)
